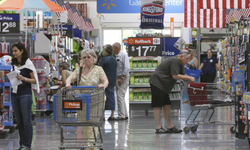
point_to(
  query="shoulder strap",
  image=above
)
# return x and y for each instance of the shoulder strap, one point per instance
(80, 74)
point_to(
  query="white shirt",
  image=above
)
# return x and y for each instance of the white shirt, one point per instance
(123, 67)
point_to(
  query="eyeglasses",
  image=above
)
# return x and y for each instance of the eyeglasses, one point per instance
(85, 57)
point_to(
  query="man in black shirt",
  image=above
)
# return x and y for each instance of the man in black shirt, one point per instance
(162, 82)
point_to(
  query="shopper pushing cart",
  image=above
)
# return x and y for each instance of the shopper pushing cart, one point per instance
(88, 75)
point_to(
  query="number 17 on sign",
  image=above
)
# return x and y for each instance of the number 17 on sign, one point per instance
(143, 48)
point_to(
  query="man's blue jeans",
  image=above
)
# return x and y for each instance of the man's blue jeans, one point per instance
(22, 108)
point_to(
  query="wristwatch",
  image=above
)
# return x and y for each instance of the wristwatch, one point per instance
(25, 79)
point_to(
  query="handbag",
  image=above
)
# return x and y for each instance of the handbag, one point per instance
(80, 75)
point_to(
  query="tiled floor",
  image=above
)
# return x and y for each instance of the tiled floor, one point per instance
(138, 133)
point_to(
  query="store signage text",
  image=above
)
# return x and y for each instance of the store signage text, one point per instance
(134, 6)
(9, 23)
(67, 30)
(152, 9)
(72, 105)
(168, 53)
(144, 46)
(144, 41)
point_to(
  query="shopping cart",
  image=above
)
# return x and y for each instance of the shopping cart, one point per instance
(205, 97)
(80, 106)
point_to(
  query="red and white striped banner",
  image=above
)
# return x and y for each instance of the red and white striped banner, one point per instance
(223, 4)
(203, 18)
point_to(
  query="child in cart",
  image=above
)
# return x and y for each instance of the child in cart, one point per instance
(162, 82)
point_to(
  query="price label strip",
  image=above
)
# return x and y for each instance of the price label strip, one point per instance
(9, 23)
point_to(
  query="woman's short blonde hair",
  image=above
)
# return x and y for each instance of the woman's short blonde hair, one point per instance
(89, 52)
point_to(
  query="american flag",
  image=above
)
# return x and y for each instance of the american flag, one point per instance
(195, 17)
(90, 24)
(70, 12)
(75, 16)
(223, 4)
(83, 25)
(88, 27)
(58, 14)
(62, 4)
(245, 12)
(237, 15)
(229, 16)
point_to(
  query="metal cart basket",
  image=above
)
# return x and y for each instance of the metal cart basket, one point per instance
(83, 107)
(206, 97)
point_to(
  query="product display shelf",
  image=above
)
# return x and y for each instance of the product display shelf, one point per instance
(8, 121)
(140, 94)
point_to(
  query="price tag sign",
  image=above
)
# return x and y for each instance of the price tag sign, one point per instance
(144, 46)
(9, 23)
(67, 30)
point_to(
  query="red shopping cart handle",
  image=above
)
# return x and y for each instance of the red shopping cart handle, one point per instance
(80, 87)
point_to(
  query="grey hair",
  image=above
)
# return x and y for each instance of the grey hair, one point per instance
(108, 48)
(118, 45)
(184, 53)
(64, 65)
(89, 52)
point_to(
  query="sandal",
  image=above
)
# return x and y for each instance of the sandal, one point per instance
(161, 130)
(174, 130)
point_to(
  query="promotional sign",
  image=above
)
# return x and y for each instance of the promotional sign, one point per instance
(144, 46)
(67, 30)
(72, 105)
(172, 26)
(238, 81)
(152, 14)
(134, 6)
(9, 23)
(168, 48)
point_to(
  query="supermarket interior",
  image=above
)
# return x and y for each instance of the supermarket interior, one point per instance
(124, 74)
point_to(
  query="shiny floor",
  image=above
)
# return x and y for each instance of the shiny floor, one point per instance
(138, 133)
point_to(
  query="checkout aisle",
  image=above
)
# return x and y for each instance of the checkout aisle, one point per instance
(138, 133)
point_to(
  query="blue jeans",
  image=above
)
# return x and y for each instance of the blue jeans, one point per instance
(22, 108)
(110, 101)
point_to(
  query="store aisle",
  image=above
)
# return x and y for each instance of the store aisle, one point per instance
(138, 133)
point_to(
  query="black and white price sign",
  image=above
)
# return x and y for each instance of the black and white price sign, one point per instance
(67, 30)
(144, 46)
(9, 23)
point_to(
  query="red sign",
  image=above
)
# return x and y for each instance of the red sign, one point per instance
(144, 41)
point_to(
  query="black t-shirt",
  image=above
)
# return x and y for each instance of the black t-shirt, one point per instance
(162, 77)
(25, 87)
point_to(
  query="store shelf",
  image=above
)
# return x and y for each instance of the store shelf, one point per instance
(10, 123)
(31, 17)
(142, 70)
(41, 110)
(139, 86)
(7, 84)
(139, 103)
(7, 103)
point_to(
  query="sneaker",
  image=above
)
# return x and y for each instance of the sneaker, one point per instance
(161, 130)
(25, 148)
(20, 147)
(174, 130)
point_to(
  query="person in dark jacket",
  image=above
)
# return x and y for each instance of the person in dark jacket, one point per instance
(109, 65)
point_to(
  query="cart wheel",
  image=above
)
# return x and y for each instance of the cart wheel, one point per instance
(194, 128)
(232, 129)
(186, 130)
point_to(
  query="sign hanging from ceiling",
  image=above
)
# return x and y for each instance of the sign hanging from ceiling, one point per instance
(9, 23)
(152, 14)
(134, 6)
